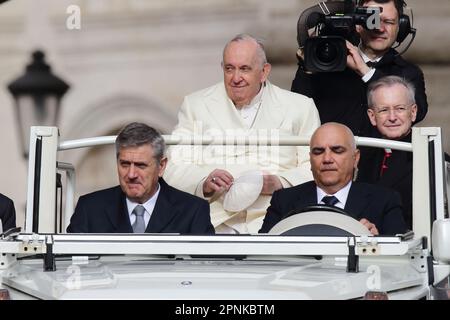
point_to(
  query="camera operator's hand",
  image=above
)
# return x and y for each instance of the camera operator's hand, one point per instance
(355, 61)
(301, 61)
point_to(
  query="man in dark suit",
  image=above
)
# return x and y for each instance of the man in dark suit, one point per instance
(341, 96)
(392, 111)
(7, 213)
(143, 202)
(334, 157)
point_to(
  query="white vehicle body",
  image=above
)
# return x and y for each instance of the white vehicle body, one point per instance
(236, 267)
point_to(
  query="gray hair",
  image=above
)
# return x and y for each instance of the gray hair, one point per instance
(260, 51)
(390, 81)
(137, 134)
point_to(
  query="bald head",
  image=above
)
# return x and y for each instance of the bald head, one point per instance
(337, 128)
(333, 156)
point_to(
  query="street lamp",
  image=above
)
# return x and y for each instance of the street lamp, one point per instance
(37, 95)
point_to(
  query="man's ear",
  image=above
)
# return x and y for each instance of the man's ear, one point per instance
(372, 118)
(162, 166)
(266, 70)
(356, 156)
(414, 112)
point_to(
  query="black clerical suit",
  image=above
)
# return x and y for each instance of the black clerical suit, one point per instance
(341, 96)
(175, 211)
(396, 175)
(379, 205)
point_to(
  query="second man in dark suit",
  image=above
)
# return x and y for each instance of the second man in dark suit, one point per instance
(334, 157)
(143, 202)
(392, 111)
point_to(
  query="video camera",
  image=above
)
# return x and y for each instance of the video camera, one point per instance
(334, 23)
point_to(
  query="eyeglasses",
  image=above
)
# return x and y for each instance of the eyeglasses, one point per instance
(398, 110)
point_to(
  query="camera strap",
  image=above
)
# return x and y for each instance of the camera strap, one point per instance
(323, 6)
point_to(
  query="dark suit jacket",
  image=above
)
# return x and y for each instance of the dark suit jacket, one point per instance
(397, 176)
(378, 205)
(7, 212)
(341, 96)
(105, 211)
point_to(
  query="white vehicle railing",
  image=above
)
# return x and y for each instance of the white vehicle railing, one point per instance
(204, 140)
(166, 244)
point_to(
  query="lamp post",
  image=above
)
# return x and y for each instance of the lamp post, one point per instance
(37, 94)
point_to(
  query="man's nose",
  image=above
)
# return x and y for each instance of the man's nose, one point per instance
(392, 117)
(132, 171)
(327, 156)
(236, 76)
(381, 28)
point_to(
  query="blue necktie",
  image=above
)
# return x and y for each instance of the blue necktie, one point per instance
(330, 200)
(139, 224)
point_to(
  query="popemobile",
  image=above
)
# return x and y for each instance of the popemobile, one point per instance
(43, 262)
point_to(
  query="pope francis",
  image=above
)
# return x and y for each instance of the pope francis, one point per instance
(238, 180)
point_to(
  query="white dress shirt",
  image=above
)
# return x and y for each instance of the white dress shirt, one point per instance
(249, 112)
(366, 59)
(149, 205)
(341, 195)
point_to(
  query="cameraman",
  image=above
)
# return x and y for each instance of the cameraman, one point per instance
(341, 96)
